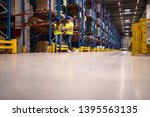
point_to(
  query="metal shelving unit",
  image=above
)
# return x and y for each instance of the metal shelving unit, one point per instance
(7, 12)
(7, 44)
(108, 36)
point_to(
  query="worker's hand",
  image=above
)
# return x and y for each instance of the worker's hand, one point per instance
(70, 29)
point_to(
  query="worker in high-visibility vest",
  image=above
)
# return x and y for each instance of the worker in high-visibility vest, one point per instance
(69, 32)
(58, 32)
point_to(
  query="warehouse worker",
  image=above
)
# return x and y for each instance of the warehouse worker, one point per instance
(58, 32)
(69, 32)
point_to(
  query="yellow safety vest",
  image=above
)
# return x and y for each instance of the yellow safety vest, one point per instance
(68, 26)
(58, 31)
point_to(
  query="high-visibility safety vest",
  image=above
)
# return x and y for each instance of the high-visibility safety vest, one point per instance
(58, 31)
(69, 26)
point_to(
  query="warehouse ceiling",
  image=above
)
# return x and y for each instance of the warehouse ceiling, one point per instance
(125, 12)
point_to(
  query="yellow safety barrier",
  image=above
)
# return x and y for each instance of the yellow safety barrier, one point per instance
(49, 49)
(63, 48)
(136, 42)
(95, 49)
(145, 46)
(139, 38)
(84, 49)
(10, 45)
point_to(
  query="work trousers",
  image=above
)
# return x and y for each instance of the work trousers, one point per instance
(58, 41)
(69, 41)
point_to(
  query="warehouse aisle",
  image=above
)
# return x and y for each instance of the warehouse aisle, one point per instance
(113, 75)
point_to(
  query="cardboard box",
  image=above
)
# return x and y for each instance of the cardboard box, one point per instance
(44, 5)
(42, 46)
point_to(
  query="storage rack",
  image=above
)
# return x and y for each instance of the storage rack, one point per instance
(108, 35)
(8, 18)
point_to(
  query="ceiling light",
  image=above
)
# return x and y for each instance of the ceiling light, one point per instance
(127, 34)
(127, 26)
(127, 20)
(127, 10)
(127, 30)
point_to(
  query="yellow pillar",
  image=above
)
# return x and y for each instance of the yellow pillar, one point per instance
(14, 46)
(53, 48)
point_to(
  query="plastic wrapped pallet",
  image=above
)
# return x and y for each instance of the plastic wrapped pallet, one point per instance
(89, 12)
(89, 37)
(42, 46)
(44, 5)
(97, 8)
(2, 37)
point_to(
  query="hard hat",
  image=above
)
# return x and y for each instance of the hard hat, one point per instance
(68, 18)
(57, 18)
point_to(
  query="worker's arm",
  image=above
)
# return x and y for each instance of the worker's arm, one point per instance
(71, 28)
(55, 27)
(62, 27)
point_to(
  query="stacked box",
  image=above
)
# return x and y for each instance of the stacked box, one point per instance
(97, 8)
(42, 46)
(44, 5)
(1, 37)
(98, 31)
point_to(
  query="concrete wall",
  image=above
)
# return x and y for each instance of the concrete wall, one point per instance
(125, 41)
(148, 11)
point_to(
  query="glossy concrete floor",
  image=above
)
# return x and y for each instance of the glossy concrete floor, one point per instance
(113, 75)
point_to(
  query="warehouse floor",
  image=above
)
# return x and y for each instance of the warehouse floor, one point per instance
(113, 75)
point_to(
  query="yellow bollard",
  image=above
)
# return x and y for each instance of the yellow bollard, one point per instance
(81, 49)
(14, 46)
(74, 49)
(53, 48)
(49, 49)
(24, 49)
